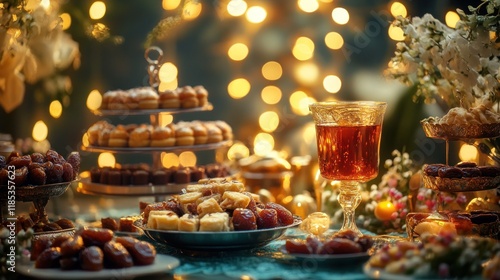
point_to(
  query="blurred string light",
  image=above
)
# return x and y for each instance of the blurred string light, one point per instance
(303, 48)
(271, 95)
(237, 51)
(187, 158)
(332, 83)
(272, 70)
(170, 4)
(263, 144)
(55, 109)
(168, 72)
(299, 101)
(269, 121)
(168, 85)
(97, 10)
(169, 160)
(65, 21)
(451, 19)
(238, 88)
(398, 9)
(306, 73)
(106, 160)
(334, 40)
(238, 151)
(308, 6)
(40, 131)
(94, 100)
(237, 8)
(340, 16)
(256, 14)
(191, 10)
(396, 33)
(467, 153)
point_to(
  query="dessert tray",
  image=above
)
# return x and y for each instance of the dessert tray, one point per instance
(461, 184)
(109, 112)
(216, 241)
(162, 264)
(35, 192)
(201, 147)
(86, 186)
(460, 131)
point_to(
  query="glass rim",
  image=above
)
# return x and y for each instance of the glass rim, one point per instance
(349, 103)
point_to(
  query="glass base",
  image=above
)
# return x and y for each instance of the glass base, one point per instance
(349, 198)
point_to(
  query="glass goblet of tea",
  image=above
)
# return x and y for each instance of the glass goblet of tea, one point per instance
(348, 140)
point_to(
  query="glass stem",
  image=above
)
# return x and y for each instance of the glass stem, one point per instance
(349, 199)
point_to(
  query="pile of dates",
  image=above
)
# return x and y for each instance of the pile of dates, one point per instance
(91, 249)
(25, 222)
(342, 242)
(38, 169)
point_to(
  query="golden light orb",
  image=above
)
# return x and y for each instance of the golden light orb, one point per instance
(398, 9)
(40, 131)
(263, 144)
(308, 6)
(272, 70)
(191, 10)
(396, 33)
(55, 109)
(168, 85)
(238, 88)
(468, 153)
(238, 151)
(237, 8)
(169, 160)
(65, 21)
(187, 159)
(303, 48)
(256, 14)
(299, 101)
(85, 140)
(106, 160)
(165, 119)
(451, 19)
(269, 121)
(169, 5)
(334, 40)
(271, 95)
(306, 73)
(94, 100)
(238, 51)
(168, 72)
(97, 10)
(340, 15)
(332, 83)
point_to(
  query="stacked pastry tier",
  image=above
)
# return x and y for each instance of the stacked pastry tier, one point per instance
(146, 98)
(194, 133)
(142, 175)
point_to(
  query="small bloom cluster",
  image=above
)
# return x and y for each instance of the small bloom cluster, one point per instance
(460, 65)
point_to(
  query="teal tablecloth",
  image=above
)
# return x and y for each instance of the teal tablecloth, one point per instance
(266, 262)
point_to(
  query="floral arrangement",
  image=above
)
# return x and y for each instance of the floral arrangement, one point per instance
(33, 46)
(458, 65)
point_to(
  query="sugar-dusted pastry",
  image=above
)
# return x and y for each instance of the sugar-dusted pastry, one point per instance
(227, 131)
(184, 136)
(117, 101)
(95, 129)
(118, 137)
(215, 222)
(163, 220)
(169, 99)
(208, 206)
(132, 100)
(188, 98)
(189, 197)
(214, 134)
(202, 95)
(103, 139)
(140, 137)
(148, 98)
(232, 200)
(162, 137)
(200, 134)
(188, 222)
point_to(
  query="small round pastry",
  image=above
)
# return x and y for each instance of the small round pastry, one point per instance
(202, 95)
(132, 100)
(148, 98)
(200, 134)
(103, 139)
(188, 98)
(227, 131)
(162, 137)
(184, 136)
(94, 131)
(214, 134)
(169, 99)
(140, 137)
(118, 137)
(140, 177)
(117, 101)
(106, 98)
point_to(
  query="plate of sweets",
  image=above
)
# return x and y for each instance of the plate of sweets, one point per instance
(215, 214)
(445, 255)
(94, 253)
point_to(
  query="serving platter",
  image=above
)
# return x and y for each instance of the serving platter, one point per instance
(200, 147)
(162, 264)
(216, 241)
(330, 259)
(86, 186)
(109, 112)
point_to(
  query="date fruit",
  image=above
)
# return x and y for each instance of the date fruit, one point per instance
(267, 218)
(244, 219)
(96, 236)
(116, 256)
(92, 258)
(285, 217)
(142, 252)
(72, 246)
(49, 258)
